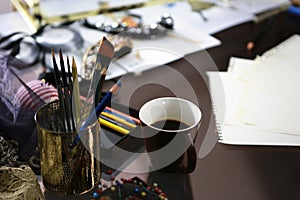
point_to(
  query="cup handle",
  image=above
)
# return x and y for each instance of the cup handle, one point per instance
(191, 159)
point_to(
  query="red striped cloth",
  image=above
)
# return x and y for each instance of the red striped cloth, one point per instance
(45, 91)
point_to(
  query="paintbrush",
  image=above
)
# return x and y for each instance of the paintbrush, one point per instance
(70, 93)
(100, 86)
(59, 90)
(70, 81)
(76, 93)
(66, 98)
(104, 56)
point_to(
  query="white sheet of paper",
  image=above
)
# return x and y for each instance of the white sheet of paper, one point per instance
(272, 112)
(222, 18)
(271, 99)
(226, 93)
(191, 23)
(231, 129)
(240, 135)
(251, 6)
(52, 8)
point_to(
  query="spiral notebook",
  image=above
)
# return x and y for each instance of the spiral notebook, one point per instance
(255, 102)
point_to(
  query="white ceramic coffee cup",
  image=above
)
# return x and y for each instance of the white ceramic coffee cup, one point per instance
(168, 148)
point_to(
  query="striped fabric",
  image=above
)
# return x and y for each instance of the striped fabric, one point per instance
(45, 91)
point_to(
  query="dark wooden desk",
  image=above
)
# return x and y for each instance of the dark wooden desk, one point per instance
(227, 172)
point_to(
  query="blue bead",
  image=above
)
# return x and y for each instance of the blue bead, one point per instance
(95, 194)
(136, 190)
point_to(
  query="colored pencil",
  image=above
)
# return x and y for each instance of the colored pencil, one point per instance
(114, 122)
(114, 111)
(113, 126)
(118, 119)
(121, 116)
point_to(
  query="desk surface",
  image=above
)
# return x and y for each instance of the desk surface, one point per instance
(226, 172)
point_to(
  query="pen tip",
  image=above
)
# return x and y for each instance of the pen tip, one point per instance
(119, 83)
(115, 88)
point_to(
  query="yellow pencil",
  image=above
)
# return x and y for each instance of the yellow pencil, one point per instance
(118, 119)
(113, 126)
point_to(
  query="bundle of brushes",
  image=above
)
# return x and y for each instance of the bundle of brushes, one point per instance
(64, 84)
(72, 111)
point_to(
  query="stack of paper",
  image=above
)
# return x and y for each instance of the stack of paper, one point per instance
(256, 102)
(191, 31)
(188, 36)
(191, 23)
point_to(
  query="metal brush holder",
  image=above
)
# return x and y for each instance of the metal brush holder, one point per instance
(66, 168)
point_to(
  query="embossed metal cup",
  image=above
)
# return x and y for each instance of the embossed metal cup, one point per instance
(67, 168)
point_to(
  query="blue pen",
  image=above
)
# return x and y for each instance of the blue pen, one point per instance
(103, 103)
(100, 107)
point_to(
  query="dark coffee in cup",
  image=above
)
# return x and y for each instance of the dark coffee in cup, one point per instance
(169, 124)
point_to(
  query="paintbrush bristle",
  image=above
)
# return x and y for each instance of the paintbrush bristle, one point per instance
(106, 48)
(60, 54)
(105, 54)
(62, 62)
(54, 62)
(53, 56)
(52, 52)
(74, 63)
(62, 68)
(68, 64)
